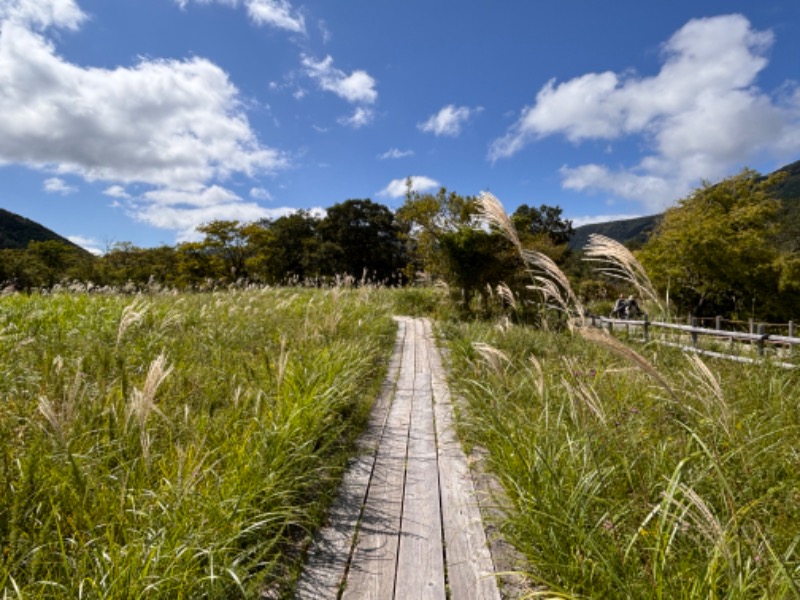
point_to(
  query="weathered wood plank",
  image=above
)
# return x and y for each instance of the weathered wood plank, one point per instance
(405, 496)
(470, 571)
(420, 562)
(373, 565)
(330, 552)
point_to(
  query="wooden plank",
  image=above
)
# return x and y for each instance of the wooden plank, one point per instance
(470, 571)
(330, 552)
(420, 561)
(373, 565)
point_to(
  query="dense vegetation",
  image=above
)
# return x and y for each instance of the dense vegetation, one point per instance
(730, 249)
(176, 446)
(651, 476)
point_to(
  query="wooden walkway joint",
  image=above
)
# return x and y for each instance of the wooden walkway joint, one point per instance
(406, 524)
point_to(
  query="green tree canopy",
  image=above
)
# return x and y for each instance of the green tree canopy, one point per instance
(717, 251)
(363, 237)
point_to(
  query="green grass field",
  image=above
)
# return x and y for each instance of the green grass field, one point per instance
(177, 446)
(666, 479)
(186, 446)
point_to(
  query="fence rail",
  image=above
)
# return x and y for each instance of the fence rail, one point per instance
(760, 339)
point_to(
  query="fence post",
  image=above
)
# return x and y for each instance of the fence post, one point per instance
(761, 339)
(693, 321)
(791, 328)
(646, 329)
(752, 326)
(718, 323)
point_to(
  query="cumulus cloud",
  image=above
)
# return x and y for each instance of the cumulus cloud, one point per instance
(397, 187)
(361, 116)
(449, 121)
(358, 87)
(276, 13)
(395, 153)
(701, 115)
(56, 185)
(173, 126)
(42, 14)
(184, 210)
(273, 13)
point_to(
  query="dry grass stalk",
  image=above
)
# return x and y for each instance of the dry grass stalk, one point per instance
(703, 519)
(131, 314)
(616, 261)
(602, 338)
(710, 390)
(587, 395)
(507, 296)
(493, 357)
(547, 277)
(53, 418)
(491, 211)
(540, 383)
(142, 402)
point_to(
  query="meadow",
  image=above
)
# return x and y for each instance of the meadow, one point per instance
(177, 446)
(635, 472)
(187, 446)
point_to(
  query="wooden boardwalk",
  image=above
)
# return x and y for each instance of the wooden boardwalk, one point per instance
(406, 524)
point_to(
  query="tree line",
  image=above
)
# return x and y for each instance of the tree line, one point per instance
(731, 249)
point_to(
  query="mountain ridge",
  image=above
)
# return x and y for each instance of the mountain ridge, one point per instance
(635, 232)
(16, 232)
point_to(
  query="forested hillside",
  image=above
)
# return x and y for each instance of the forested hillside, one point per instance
(16, 232)
(635, 232)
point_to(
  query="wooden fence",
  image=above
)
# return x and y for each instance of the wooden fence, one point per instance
(756, 337)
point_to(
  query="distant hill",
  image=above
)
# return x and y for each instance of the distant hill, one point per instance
(17, 231)
(634, 232)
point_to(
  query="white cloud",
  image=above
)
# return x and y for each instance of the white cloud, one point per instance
(274, 13)
(395, 153)
(259, 193)
(588, 220)
(41, 14)
(184, 210)
(361, 116)
(449, 120)
(116, 191)
(56, 185)
(173, 126)
(397, 187)
(358, 87)
(701, 116)
(89, 244)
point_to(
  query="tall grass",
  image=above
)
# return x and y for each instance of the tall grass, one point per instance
(176, 446)
(626, 483)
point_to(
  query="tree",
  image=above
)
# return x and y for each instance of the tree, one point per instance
(227, 244)
(363, 237)
(286, 248)
(447, 241)
(716, 251)
(52, 261)
(543, 222)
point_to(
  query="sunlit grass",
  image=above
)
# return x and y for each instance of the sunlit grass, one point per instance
(177, 446)
(675, 479)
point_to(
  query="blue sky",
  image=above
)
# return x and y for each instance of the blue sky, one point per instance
(137, 120)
